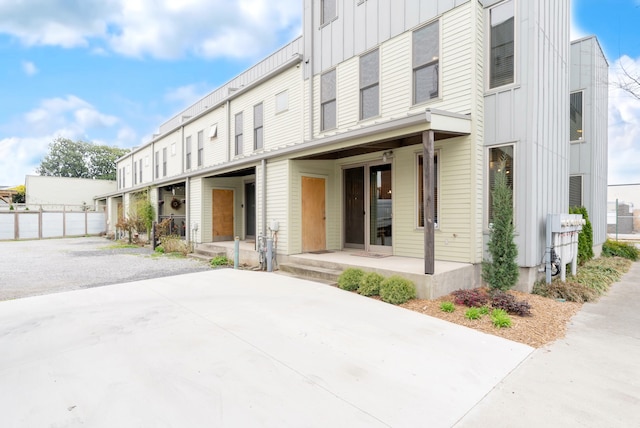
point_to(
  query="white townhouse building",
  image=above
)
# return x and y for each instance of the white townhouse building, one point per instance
(381, 128)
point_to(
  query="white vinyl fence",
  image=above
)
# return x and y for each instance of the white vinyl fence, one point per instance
(26, 222)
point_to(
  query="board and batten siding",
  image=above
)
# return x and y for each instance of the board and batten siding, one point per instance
(533, 115)
(589, 74)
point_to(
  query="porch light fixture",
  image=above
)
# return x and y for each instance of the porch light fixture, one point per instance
(387, 155)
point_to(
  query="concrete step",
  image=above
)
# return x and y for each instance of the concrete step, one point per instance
(306, 278)
(202, 257)
(311, 272)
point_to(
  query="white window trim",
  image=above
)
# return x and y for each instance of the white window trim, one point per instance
(581, 140)
(440, 85)
(213, 131)
(281, 93)
(436, 225)
(516, 80)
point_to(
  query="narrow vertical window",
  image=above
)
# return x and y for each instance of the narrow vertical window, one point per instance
(157, 164)
(420, 183)
(135, 173)
(370, 85)
(188, 152)
(238, 134)
(502, 36)
(329, 11)
(164, 162)
(258, 127)
(575, 191)
(499, 157)
(575, 117)
(426, 63)
(140, 171)
(328, 100)
(200, 148)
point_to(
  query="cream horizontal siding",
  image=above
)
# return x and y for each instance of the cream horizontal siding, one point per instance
(396, 76)
(319, 169)
(278, 201)
(231, 183)
(214, 148)
(347, 93)
(194, 198)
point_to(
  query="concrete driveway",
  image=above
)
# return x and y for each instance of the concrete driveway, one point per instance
(232, 348)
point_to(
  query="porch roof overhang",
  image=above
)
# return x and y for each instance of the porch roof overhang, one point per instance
(388, 135)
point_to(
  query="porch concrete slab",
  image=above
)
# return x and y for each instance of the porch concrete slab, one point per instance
(591, 378)
(235, 349)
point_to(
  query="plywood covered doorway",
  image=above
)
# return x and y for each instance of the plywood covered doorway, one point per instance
(314, 235)
(222, 206)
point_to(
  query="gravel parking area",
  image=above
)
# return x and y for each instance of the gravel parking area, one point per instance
(31, 268)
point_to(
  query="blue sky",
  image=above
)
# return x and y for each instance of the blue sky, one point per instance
(112, 71)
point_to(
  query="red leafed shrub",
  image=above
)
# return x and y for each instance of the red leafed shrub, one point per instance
(473, 298)
(508, 302)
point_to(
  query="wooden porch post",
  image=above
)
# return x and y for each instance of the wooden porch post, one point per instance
(427, 192)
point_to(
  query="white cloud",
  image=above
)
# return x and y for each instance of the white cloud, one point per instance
(624, 125)
(29, 68)
(69, 117)
(165, 29)
(184, 96)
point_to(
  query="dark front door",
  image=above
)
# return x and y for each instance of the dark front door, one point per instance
(354, 203)
(250, 210)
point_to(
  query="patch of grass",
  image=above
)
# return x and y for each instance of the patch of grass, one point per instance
(350, 279)
(219, 261)
(484, 310)
(473, 314)
(397, 290)
(620, 249)
(447, 307)
(569, 291)
(370, 285)
(500, 318)
(119, 245)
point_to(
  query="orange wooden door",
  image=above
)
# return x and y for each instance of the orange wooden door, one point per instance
(314, 236)
(222, 215)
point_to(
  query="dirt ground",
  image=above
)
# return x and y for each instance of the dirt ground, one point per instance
(547, 323)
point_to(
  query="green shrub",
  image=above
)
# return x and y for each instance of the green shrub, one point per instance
(619, 249)
(370, 285)
(473, 313)
(500, 318)
(447, 307)
(219, 261)
(501, 272)
(585, 238)
(484, 310)
(397, 290)
(160, 249)
(350, 279)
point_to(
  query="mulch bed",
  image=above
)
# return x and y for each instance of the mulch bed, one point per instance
(547, 323)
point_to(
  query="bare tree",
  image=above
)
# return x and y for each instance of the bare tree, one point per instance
(628, 81)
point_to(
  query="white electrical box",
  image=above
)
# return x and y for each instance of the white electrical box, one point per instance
(275, 225)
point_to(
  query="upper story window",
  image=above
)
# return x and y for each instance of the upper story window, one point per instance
(575, 117)
(329, 11)
(140, 171)
(502, 36)
(258, 128)
(370, 85)
(328, 100)
(200, 148)
(188, 166)
(157, 164)
(499, 158)
(282, 102)
(426, 63)
(135, 173)
(238, 134)
(164, 162)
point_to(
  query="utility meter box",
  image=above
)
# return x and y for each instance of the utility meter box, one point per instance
(562, 240)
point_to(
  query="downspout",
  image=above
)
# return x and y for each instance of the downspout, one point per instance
(187, 211)
(264, 196)
(183, 147)
(228, 107)
(310, 71)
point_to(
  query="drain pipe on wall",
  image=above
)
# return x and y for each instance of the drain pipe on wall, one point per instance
(187, 212)
(228, 130)
(264, 196)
